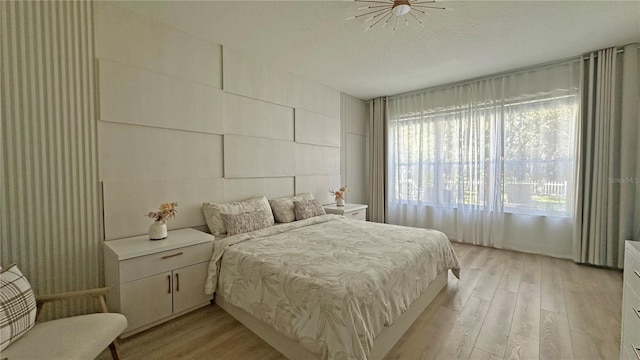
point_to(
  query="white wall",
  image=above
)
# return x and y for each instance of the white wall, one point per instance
(355, 150)
(182, 119)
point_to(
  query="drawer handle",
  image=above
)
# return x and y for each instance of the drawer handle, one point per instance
(174, 255)
(177, 282)
(635, 350)
(168, 284)
(635, 310)
(354, 214)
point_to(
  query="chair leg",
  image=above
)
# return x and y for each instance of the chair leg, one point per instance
(115, 352)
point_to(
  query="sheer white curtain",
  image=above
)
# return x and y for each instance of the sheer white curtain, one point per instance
(487, 160)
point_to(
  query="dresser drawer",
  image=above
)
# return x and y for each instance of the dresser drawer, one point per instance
(143, 266)
(631, 321)
(629, 353)
(357, 214)
(632, 271)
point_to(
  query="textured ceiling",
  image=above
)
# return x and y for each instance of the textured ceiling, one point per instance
(469, 39)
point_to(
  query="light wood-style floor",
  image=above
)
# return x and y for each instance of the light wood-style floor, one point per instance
(507, 305)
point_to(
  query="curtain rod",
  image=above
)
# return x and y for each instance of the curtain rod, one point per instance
(485, 77)
(461, 82)
(620, 50)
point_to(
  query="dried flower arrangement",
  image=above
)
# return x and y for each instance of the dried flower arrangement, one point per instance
(339, 194)
(167, 212)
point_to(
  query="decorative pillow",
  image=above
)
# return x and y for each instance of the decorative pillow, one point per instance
(212, 212)
(283, 209)
(308, 208)
(17, 306)
(242, 223)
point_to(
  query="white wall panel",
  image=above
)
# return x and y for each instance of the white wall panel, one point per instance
(257, 157)
(319, 186)
(129, 38)
(310, 95)
(49, 190)
(317, 160)
(241, 189)
(354, 151)
(318, 129)
(127, 202)
(354, 113)
(251, 117)
(134, 96)
(357, 169)
(142, 152)
(248, 77)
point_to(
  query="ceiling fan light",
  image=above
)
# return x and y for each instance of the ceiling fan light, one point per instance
(392, 10)
(401, 9)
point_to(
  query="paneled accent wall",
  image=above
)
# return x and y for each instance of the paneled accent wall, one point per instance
(255, 157)
(354, 151)
(185, 120)
(120, 196)
(269, 96)
(132, 95)
(251, 117)
(49, 189)
(141, 152)
(313, 128)
(128, 38)
(317, 185)
(160, 121)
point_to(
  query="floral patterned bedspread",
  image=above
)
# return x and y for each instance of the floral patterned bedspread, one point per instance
(329, 282)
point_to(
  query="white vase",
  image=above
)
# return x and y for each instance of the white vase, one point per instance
(158, 231)
(340, 202)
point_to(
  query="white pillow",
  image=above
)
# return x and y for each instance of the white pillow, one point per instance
(17, 306)
(246, 222)
(212, 212)
(283, 209)
(307, 208)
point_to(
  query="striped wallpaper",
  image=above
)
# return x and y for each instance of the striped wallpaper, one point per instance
(49, 189)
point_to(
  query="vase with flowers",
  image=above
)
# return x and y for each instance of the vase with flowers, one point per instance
(167, 211)
(339, 195)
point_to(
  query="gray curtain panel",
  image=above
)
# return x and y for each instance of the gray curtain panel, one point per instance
(378, 159)
(607, 190)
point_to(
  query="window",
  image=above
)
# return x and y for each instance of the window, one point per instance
(538, 156)
(512, 155)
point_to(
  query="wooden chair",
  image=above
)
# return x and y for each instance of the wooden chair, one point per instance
(76, 337)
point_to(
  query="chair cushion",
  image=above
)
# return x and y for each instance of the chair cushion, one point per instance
(77, 337)
(17, 306)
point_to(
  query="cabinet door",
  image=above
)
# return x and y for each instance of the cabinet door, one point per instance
(188, 287)
(146, 300)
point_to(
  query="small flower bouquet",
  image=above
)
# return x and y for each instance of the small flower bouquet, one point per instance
(166, 212)
(339, 195)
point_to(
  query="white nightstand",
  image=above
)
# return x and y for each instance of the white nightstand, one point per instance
(154, 281)
(352, 211)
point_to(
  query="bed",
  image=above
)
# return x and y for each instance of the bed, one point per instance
(328, 287)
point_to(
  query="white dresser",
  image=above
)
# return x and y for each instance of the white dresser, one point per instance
(154, 281)
(353, 211)
(630, 346)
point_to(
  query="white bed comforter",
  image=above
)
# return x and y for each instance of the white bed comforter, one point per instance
(329, 282)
